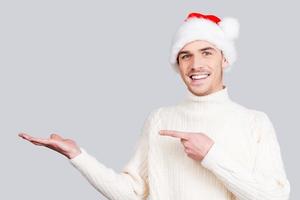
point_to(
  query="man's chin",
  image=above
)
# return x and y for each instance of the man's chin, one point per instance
(199, 90)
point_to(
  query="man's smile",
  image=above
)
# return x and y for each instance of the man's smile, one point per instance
(198, 78)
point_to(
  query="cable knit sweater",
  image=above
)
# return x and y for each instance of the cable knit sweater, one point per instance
(244, 162)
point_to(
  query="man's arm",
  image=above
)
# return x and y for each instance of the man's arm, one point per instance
(266, 181)
(131, 183)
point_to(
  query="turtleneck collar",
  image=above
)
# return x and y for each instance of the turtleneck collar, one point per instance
(218, 96)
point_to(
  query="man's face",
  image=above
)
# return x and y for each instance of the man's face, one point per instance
(201, 67)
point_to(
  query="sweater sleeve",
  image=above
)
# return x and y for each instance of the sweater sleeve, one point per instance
(131, 183)
(266, 180)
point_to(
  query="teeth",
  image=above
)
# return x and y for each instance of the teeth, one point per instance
(197, 77)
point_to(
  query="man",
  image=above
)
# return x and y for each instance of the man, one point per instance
(205, 147)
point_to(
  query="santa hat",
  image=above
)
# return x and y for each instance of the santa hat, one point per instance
(197, 26)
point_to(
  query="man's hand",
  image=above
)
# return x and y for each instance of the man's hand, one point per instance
(196, 145)
(66, 147)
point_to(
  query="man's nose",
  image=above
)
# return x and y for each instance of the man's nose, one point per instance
(197, 62)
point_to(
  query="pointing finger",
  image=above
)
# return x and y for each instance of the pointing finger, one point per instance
(176, 134)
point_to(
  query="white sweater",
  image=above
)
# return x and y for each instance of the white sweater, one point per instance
(244, 163)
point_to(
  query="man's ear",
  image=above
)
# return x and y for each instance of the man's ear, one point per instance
(224, 62)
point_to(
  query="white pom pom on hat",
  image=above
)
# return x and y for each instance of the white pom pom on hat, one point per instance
(230, 27)
(211, 28)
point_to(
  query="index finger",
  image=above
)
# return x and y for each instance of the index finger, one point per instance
(173, 133)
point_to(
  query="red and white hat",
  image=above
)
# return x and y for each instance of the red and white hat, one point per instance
(197, 26)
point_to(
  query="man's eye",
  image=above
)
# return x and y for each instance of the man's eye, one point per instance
(207, 53)
(185, 56)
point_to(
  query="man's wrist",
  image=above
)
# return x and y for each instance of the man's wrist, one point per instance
(73, 154)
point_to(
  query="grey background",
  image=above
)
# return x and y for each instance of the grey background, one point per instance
(93, 70)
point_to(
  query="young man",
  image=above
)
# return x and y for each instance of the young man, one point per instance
(205, 147)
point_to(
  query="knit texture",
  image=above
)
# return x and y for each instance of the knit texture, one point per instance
(244, 163)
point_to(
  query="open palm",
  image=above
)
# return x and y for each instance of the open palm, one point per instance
(66, 147)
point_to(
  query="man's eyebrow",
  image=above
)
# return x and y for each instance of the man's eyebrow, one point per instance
(203, 49)
(183, 52)
(208, 48)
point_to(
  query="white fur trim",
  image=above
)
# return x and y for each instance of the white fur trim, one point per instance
(230, 27)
